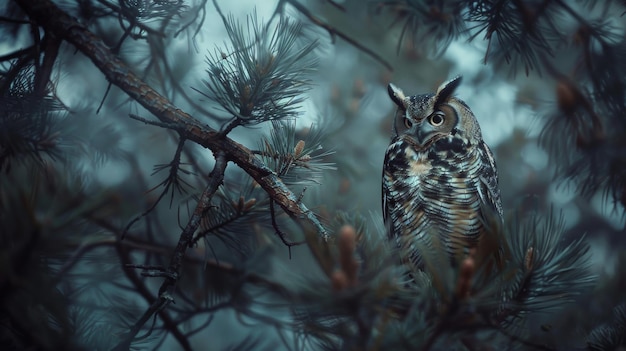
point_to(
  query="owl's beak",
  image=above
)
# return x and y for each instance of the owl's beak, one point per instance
(424, 133)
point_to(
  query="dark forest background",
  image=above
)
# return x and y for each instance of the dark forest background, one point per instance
(205, 175)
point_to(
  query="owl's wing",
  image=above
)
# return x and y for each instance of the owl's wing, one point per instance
(386, 218)
(488, 190)
(384, 197)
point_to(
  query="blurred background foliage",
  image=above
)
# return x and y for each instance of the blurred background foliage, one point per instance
(92, 202)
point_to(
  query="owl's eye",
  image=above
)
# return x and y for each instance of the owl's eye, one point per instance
(408, 123)
(436, 119)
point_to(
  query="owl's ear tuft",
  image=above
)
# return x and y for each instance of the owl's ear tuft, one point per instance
(396, 95)
(445, 90)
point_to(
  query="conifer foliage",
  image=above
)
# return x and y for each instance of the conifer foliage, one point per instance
(257, 227)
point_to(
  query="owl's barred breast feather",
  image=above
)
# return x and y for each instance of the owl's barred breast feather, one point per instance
(438, 178)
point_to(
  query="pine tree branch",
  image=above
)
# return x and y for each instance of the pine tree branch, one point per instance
(143, 290)
(55, 21)
(124, 249)
(51, 46)
(167, 289)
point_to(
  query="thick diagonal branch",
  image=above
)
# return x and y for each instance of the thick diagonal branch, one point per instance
(46, 14)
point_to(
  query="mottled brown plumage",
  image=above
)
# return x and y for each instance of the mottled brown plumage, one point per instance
(439, 176)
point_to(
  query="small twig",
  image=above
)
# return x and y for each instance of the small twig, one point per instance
(127, 32)
(173, 126)
(282, 235)
(12, 20)
(332, 31)
(219, 11)
(145, 266)
(16, 54)
(177, 88)
(174, 168)
(301, 194)
(106, 93)
(232, 124)
(336, 5)
(188, 24)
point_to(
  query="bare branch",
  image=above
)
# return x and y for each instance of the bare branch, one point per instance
(335, 32)
(123, 250)
(166, 291)
(282, 235)
(12, 20)
(16, 54)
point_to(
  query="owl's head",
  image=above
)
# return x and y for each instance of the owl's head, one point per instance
(426, 118)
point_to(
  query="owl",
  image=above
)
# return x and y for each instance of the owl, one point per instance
(439, 176)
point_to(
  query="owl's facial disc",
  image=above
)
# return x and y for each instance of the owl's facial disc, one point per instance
(437, 125)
